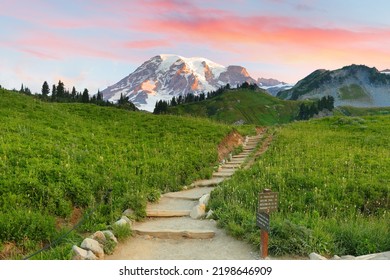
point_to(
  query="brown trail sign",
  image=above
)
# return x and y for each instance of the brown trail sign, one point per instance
(268, 202)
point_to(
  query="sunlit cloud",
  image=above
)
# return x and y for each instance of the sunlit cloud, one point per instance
(125, 33)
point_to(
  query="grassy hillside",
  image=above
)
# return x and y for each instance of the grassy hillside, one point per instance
(353, 92)
(358, 111)
(254, 107)
(57, 160)
(333, 179)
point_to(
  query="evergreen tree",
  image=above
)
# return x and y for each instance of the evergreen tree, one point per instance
(73, 93)
(99, 96)
(22, 88)
(60, 89)
(173, 102)
(245, 85)
(54, 93)
(330, 103)
(45, 89)
(27, 91)
(85, 97)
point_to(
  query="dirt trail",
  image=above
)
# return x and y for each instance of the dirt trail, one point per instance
(172, 233)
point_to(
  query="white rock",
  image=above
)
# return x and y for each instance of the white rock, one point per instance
(94, 246)
(121, 222)
(209, 214)
(315, 256)
(99, 237)
(335, 257)
(127, 220)
(128, 212)
(81, 254)
(110, 235)
(198, 212)
(204, 199)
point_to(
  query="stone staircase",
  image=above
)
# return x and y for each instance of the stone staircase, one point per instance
(179, 215)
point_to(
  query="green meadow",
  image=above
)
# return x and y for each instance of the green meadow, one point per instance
(57, 160)
(333, 179)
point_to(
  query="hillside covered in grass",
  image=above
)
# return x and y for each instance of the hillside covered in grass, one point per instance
(242, 106)
(60, 160)
(333, 179)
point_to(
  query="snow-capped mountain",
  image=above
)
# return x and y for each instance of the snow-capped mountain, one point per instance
(273, 86)
(165, 76)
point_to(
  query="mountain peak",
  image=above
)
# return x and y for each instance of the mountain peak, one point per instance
(167, 75)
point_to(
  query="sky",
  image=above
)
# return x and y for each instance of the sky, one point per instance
(95, 43)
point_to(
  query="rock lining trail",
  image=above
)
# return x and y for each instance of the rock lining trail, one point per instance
(175, 228)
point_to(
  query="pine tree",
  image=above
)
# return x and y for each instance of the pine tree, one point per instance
(60, 89)
(173, 101)
(99, 96)
(85, 97)
(45, 89)
(74, 93)
(54, 93)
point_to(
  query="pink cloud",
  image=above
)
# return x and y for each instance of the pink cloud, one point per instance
(146, 44)
(50, 46)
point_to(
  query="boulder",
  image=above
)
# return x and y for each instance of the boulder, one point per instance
(128, 212)
(127, 220)
(315, 256)
(81, 254)
(204, 199)
(94, 246)
(122, 222)
(198, 212)
(99, 237)
(110, 235)
(335, 257)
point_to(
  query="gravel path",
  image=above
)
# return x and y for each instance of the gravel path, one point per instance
(169, 233)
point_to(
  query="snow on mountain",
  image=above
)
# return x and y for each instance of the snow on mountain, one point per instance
(273, 86)
(387, 71)
(164, 76)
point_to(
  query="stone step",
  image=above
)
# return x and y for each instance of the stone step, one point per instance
(254, 144)
(167, 213)
(239, 156)
(231, 166)
(169, 207)
(176, 228)
(237, 160)
(245, 153)
(225, 170)
(222, 174)
(207, 182)
(191, 194)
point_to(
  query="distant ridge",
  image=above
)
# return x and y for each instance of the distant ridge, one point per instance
(354, 85)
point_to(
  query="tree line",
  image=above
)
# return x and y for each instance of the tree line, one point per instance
(307, 111)
(162, 106)
(58, 93)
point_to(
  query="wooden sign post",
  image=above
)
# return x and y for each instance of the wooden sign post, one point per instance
(268, 202)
